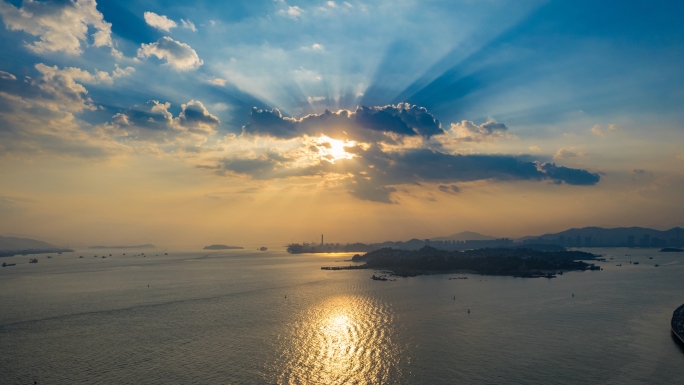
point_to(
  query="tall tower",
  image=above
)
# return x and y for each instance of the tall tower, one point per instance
(322, 239)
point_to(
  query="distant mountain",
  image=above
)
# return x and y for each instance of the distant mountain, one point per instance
(621, 236)
(10, 246)
(17, 244)
(465, 236)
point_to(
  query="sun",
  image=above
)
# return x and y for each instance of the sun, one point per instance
(333, 149)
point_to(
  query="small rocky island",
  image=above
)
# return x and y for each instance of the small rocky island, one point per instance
(222, 247)
(145, 246)
(517, 262)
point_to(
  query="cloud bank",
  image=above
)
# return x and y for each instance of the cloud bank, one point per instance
(385, 123)
(373, 150)
(59, 25)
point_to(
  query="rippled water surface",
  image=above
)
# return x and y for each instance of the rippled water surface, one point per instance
(242, 317)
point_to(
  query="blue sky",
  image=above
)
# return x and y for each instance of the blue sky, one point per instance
(592, 88)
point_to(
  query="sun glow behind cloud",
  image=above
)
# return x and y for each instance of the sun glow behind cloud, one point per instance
(371, 103)
(333, 149)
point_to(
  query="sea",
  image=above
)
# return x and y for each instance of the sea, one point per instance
(253, 317)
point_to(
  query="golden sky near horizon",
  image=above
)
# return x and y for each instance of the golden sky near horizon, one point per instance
(363, 121)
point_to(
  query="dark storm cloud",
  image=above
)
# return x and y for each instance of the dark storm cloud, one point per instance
(453, 189)
(367, 123)
(374, 171)
(559, 174)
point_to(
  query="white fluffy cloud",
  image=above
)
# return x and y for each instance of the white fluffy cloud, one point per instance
(98, 77)
(314, 47)
(7, 76)
(60, 90)
(37, 116)
(178, 55)
(159, 21)
(565, 153)
(59, 25)
(599, 131)
(163, 23)
(218, 81)
(467, 131)
(292, 12)
(187, 24)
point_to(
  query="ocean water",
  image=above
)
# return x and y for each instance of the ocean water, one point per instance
(249, 317)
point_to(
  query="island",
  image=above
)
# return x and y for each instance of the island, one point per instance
(145, 246)
(516, 262)
(672, 250)
(222, 247)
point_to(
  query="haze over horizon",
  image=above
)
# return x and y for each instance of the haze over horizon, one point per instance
(267, 121)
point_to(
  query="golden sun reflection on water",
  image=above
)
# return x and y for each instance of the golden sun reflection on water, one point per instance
(343, 340)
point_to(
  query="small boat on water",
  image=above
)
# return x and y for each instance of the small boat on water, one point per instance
(5, 264)
(636, 263)
(263, 248)
(376, 278)
(657, 265)
(49, 256)
(33, 260)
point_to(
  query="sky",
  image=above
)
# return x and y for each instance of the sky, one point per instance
(270, 121)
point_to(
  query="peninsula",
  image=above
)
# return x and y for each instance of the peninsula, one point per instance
(222, 247)
(518, 262)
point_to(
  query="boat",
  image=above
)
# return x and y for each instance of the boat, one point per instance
(49, 256)
(657, 265)
(33, 260)
(5, 264)
(677, 323)
(81, 256)
(263, 248)
(376, 278)
(636, 263)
